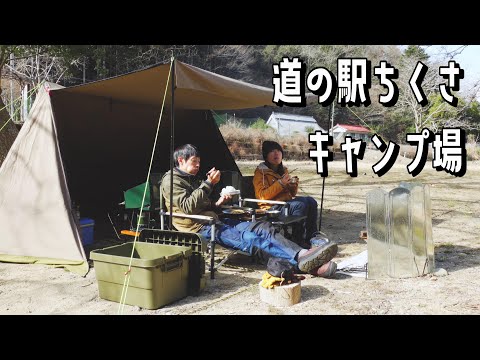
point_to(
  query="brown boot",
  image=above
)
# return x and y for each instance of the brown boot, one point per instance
(317, 256)
(327, 270)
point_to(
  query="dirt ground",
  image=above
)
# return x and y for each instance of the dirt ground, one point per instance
(39, 289)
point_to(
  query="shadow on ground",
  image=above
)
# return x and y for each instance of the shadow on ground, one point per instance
(313, 292)
(343, 227)
(456, 257)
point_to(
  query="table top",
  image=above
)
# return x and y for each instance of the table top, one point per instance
(286, 220)
(281, 220)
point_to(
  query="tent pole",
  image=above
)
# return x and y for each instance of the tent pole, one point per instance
(172, 142)
(330, 118)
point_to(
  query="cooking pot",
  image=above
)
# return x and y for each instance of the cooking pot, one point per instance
(273, 214)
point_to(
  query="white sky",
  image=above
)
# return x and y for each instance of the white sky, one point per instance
(469, 60)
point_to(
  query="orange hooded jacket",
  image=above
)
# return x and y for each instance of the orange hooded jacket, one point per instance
(268, 187)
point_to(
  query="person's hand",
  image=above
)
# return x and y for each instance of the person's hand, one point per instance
(294, 180)
(213, 176)
(223, 199)
(285, 179)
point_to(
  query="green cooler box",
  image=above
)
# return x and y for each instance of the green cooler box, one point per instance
(159, 273)
(196, 264)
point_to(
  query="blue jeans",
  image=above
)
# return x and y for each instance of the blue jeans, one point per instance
(252, 237)
(303, 206)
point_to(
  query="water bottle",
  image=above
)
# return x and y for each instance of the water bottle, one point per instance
(319, 239)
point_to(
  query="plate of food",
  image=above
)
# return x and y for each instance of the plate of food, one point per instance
(232, 211)
(238, 211)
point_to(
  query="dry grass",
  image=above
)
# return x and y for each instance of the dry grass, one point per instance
(473, 151)
(409, 151)
(246, 143)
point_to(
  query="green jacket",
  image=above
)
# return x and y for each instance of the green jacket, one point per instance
(190, 196)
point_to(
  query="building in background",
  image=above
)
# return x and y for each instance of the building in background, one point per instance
(356, 132)
(289, 124)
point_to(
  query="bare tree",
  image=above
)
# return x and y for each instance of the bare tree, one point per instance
(39, 64)
(234, 60)
(8, 131)
(327, 56)
(437, 113)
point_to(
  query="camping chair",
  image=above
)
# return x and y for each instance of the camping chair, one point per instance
(231, 178)
(133, 201)
(245, 185)
(247, 195)
(207, 219)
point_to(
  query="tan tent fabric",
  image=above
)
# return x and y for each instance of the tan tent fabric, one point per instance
(77, 267)
(90, 143)
(201, 89)
(35, 217)
(195, 89)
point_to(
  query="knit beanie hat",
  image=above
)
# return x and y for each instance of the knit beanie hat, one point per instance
(268, 146)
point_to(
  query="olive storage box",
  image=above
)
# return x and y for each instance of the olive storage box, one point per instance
(196, 264)
(159, 273)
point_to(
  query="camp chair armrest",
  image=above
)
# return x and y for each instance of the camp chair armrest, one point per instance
(198, 217)
(212, 241)
(273, 202)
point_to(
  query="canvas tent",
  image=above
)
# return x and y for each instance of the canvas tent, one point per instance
(89, 143)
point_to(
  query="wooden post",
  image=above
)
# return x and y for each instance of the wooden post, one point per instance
(285, 295)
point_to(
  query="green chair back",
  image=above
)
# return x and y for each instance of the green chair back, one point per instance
(133, 197)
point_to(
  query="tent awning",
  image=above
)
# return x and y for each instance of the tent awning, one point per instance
(195, 89)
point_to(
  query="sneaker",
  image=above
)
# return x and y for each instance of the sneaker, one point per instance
(318, 233)
(317, 256)
(318, 238)
(327, 270)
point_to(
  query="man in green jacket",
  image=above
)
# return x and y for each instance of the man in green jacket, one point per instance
(191, 196)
